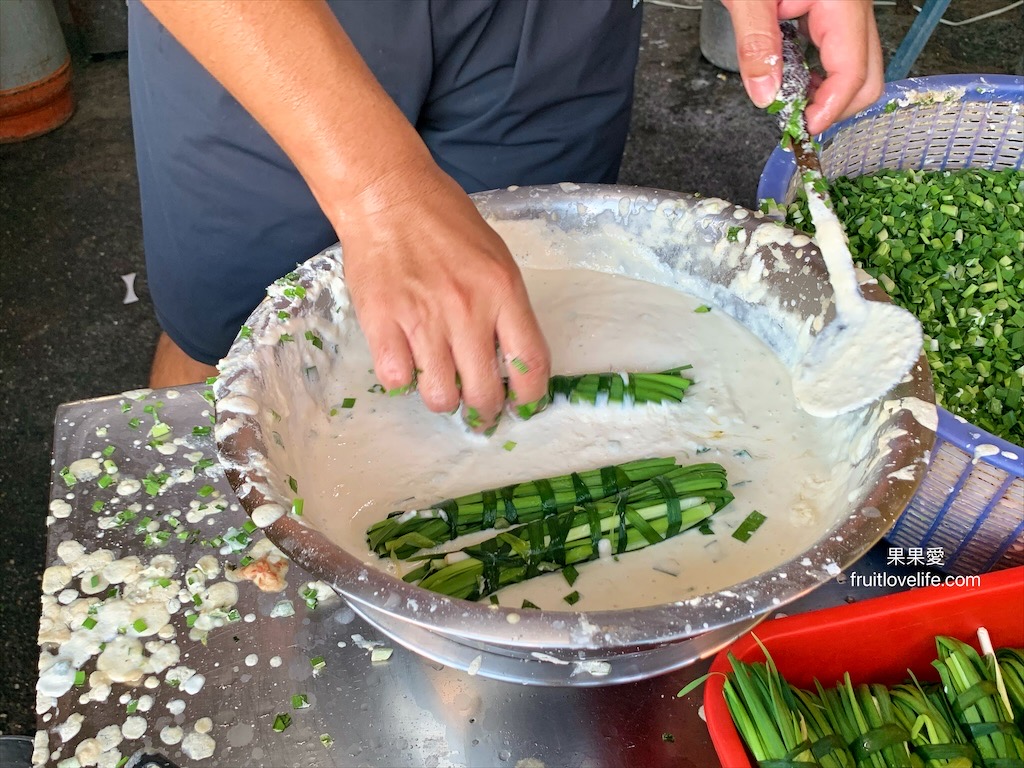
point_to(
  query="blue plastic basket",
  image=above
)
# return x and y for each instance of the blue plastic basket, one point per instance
(971, 501)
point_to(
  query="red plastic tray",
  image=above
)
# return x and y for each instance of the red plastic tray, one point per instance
(876, 641)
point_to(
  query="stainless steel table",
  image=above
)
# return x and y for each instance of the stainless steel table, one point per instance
(405, 711)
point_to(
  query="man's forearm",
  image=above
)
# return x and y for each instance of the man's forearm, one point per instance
(291, 65)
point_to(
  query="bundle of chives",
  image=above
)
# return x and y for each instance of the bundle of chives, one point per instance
(767, 714)
(827, 746)
(865, 719)
(935, 735)
(969, 686)
(628, 388)
(402, 534)
(638, 517)
(1011, 665)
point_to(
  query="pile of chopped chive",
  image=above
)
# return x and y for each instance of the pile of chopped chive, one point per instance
(949, 247)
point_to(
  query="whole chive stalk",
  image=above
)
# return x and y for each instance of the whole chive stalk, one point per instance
(974, 698)
(643, 515)
(403, 534)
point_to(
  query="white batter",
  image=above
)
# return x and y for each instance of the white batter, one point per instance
(390, 453)
(879, 344)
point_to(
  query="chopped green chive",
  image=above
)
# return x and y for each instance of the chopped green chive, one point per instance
(97, 506)
(125, 407)
(245, 561)
(190, 620)
(530, 605)
(281, 722)
(733, 234)
(201, 431)
(69, 478)
(132, 706)
(310, 596)
(527, 410)
(104, 481)
(109, 451)
(509, 445)
(702, 309)
(572, 598)
(317, 663)
(293, 484)
(284, 338)
(314, 339)
(571, 574)
(283, 314)
(946, 245)
(80, 678)
(300, 701)
(206, 490)
(327, 740)
(520, 366)
(89, 622)
(140, 625)
(348, 402)
(747, 528)
(94, 581)
(163, 581)
(245, 332)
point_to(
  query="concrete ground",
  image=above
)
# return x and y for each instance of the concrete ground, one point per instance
(70, 229)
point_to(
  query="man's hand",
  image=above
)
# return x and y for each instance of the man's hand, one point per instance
(845, 34)
(436, 289)
(434, 286)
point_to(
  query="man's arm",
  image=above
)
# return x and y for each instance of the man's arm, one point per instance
(845, 34)
(433, 285)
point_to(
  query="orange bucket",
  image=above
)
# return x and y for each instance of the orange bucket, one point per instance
(35, 74)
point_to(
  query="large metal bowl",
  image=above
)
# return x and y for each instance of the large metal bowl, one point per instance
(703, 246)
